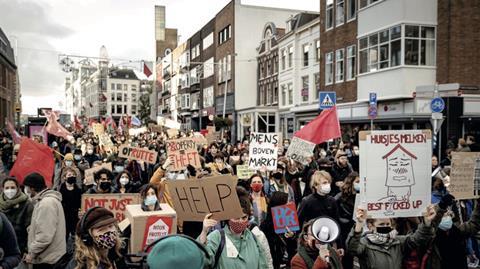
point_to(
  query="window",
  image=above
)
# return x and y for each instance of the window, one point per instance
(208, 97)
(134, 109)
(306, 48)
(119, 109)
(195, 51)
(229, 66)
(113, 96)
(329, 68)
(317, 51)
(283, 59)
(364, 3)
(351, 9)
(208, 41)
(195, 99)
(133, 87)
(261, 97)
(316, 78)
(340, 16)
(112, 86)
(329, 15)
(339, 65)
(419, 45)
(351, 53)
(290, 56)
(119, 87)
(193, 76)
(119, 97)
(395, 45)
(269, 68)
(125, 87)
(262, 75)
(185, 101)
(134, 97)
(208, 68)
(269, 94)
(305, 89)
(224, 34)
(290, 93)
(284, 94)
(125, 109)
(125, 98)
(113, 109)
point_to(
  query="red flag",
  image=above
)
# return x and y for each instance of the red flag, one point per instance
(91, 122)
(323, 128)
(146, 70)
(55, 128)
(33, 157)
(13, 133)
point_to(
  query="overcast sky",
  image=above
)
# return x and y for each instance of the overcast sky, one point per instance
(45, 29)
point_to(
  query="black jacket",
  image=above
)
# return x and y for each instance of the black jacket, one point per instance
(8, 244)
(71, 203)
(19, 215)
(339, 174)
(315, 205)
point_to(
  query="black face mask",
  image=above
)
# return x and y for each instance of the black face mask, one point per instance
(277, 175)
(105, 185)
(384, 230)
(71, 180)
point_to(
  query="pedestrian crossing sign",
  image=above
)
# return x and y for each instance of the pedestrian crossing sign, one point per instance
(327, 100)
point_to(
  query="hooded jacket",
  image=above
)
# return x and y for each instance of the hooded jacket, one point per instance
(19, 212)
(46, 234)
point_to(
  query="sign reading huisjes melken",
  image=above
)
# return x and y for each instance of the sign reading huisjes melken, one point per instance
(395, 171)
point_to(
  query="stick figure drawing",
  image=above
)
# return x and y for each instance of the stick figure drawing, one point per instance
(399, 177)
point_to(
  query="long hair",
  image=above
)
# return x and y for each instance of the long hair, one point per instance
(91, 256)
(347, 188)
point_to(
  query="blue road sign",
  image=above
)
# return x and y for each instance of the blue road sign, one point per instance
(437, 105)
(372, 105)
(372, 98)
(327, 100)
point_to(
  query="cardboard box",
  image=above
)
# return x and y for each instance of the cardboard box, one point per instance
(148, 226)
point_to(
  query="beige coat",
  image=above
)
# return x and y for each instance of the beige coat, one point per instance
(46, 233)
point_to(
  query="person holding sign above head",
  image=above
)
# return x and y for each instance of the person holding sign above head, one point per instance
(381, 247)
(277, 182)
(103, 181)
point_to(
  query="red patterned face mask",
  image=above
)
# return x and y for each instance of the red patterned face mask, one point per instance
(238, 226)
(256, 187)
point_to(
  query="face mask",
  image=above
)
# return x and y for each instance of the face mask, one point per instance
(256, 187)
(277, 175)
(150, 200)
(10, 193)
(356, 186)
(384, 230)
(119, 168)
(68, 163)
(71, 180)
(238, 226)
(324, 189)
(356, 152)
(77, 157)
(446, 223)
(323, 154)
(27, 191)
(124, 181)
(105, 185)
(106, 240)
(90, 151)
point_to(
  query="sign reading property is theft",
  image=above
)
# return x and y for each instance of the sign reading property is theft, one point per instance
(263, 151)
(139, 154)
(182, 152)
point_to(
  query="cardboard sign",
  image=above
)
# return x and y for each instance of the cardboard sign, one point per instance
(148, 226)
(98, 129)
(105, 141)
(285, 216)
(182, 152)
(155, 128)
(263, 151)
(193, 199)
(395, 172)
(137, 131)
(139, 154)
(172, 133)
(89, 173)
(199, 139)
(462, 175)
(115, 202)
(299, 150)
(244, 172)
(168, 123)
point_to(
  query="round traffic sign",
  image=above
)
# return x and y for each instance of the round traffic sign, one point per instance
(437, 105)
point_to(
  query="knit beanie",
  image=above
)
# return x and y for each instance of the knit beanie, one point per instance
(95, 218)
(176, 252)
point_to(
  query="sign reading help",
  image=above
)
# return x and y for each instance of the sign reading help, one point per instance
(115, 202)
(299, 150)
(183, 152)
(139, 154)
(193, 199)
(156, 228)
(285, 216)
(263, 151)
(393, 172)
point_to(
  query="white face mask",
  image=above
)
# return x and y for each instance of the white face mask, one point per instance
(323, 154)
(90, 151)
(356, 152)
(68, 163)
(324, 189)
(10, 193)
(124, 180)
(27, 191)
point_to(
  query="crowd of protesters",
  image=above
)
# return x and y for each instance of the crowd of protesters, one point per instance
(42, 227)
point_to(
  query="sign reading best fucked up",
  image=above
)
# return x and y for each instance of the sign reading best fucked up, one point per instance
(263, 149)
(139, 154)
(395, 171)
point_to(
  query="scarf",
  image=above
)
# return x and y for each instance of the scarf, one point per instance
(381, 239)
(308, 255)
(8, 204)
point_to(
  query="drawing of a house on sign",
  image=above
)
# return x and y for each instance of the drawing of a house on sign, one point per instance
(400, 177)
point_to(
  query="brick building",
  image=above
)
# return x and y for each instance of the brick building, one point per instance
(8, 81)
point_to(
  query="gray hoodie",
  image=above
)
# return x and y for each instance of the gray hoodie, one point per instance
(46, 233)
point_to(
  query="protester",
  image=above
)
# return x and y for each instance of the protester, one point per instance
(219, 167)
(149, 196)
(125, 184)
(293, 176)
(340, 170)
(18, 208)
(472, 144)
(103, 181)
(462, 146)
(68, 163)
(97, 244)
(90, 155)
(71, 200)
(277, 182)
(179, 252)
(434, 162)
(259, 201)
(354, 160)
(46, 233)
(9, 251)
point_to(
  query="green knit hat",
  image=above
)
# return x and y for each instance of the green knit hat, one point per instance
(176, 252)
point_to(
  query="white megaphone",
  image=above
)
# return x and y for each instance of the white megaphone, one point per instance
(325, 230)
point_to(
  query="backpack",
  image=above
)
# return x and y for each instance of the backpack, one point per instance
(221, 246)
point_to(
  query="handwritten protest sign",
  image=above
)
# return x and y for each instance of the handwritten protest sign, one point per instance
(98, 129)
(462, 175)
(182, 152)
(89, 173)
(105, 141)
(115, 202)
(244, 172)
(285, 216)
(394, 168)
(299, 150)
(155, 128)
(199, 139)
(139, 154)
(172, 133)
(137, 131)
(263, 151)
(193, 199)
